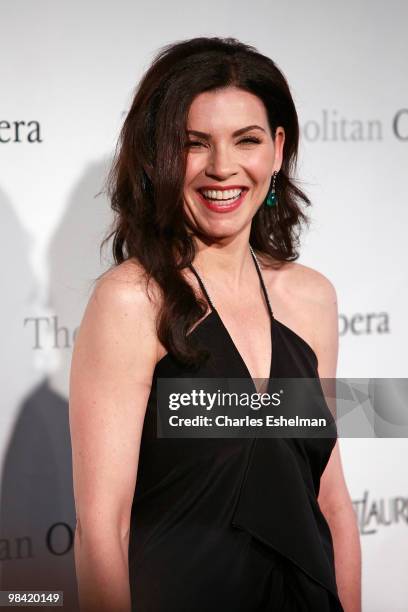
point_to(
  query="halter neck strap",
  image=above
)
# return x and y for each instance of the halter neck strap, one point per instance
(265, 292)
(203, 289)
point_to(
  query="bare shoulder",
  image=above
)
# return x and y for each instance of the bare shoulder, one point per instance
(316, 295)
(308, 283)
(127, 282)
(305, 300)
(121, 312)
(124, 286)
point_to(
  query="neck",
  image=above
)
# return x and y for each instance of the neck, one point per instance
(231, 266)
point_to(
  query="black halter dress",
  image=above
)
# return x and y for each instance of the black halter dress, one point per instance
(231, 524)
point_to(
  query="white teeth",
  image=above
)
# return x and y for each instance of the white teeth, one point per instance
(225, 202)
(221, 195)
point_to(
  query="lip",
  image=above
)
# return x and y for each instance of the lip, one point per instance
(221, 187)
(223, 208)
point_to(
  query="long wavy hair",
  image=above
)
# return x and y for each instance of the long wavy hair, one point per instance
(146, 179)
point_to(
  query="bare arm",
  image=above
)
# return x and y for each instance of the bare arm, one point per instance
(334, 499)
(335, 503)
(112, 365)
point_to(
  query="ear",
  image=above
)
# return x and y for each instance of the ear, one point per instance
(278, 143)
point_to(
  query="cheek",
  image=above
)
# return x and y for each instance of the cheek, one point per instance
(193, 168)
(259, 165)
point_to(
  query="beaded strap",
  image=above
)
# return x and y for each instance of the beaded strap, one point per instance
(258, 269)
(200, 282)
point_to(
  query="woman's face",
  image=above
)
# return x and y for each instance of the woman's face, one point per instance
(230, 160)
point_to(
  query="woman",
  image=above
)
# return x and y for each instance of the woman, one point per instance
(207, 210)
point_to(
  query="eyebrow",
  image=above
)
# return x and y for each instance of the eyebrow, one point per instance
(236, 133)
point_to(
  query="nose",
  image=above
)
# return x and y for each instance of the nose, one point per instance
(221, 163)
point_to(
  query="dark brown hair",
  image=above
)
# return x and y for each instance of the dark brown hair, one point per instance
(145, 182)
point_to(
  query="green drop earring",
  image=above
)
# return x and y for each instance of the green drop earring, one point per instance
(272, 199)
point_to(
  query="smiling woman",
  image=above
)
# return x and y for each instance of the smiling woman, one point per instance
(217, 154)
(208, 218)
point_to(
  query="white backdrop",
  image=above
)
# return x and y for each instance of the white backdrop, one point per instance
(68, 71)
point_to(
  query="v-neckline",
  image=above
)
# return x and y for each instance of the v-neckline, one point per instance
(239, 355)
(226, 331)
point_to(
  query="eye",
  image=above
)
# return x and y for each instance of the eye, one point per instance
(192, 142)
(251, 139)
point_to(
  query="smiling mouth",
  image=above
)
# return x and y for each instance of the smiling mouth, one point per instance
(222, 197)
